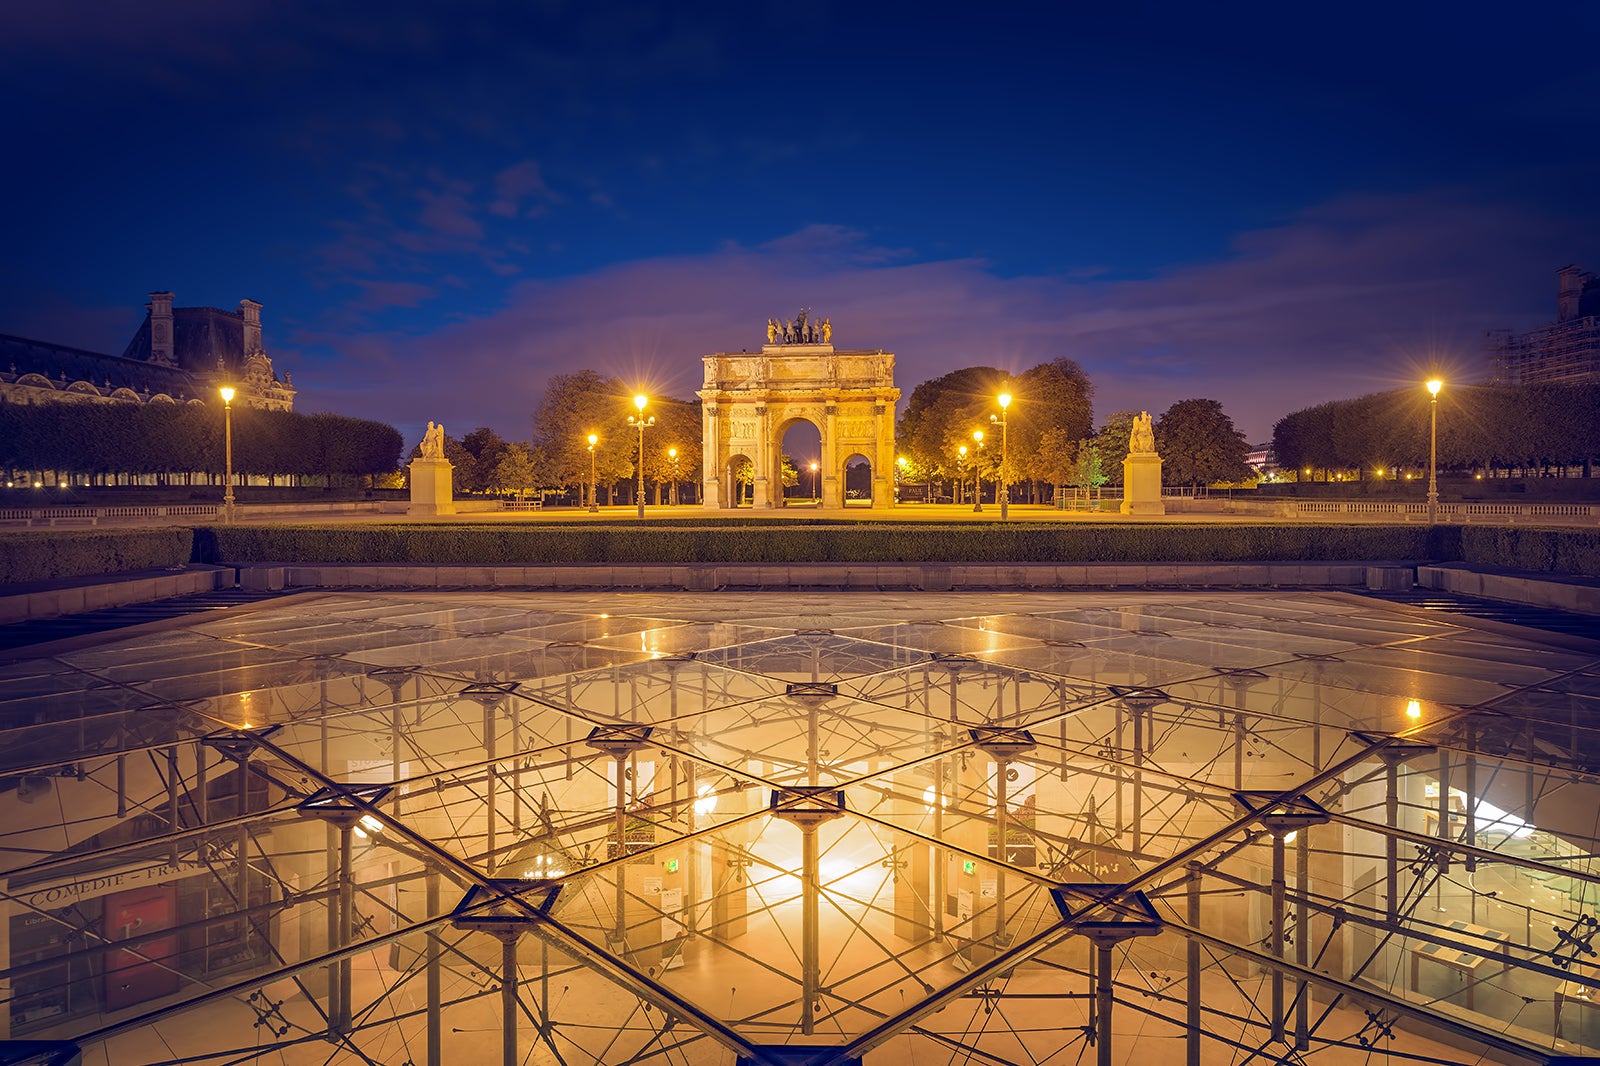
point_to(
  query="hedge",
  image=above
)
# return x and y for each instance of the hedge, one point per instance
(57, 554)
(1557, 551)
(853, 542)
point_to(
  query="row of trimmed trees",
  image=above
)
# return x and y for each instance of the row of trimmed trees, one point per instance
(114, 443)
(1531, 428)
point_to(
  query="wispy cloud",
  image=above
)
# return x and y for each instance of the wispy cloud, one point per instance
(515, 186)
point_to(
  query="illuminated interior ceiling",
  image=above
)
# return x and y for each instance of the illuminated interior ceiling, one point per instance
(1009, 828)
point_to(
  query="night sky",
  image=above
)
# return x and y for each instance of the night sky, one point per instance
(440, 205)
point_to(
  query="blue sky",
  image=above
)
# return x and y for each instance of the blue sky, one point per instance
(440, 205)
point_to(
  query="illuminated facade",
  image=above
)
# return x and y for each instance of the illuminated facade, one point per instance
(658, 828)
(749, 401)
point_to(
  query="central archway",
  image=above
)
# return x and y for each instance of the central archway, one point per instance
(800, 443)
(751, 399)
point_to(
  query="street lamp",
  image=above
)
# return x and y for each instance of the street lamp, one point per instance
(961, 471)
(814, 481)
(594, 506)
(977, 471)
(1434, 385)
(643, 423)
(672, 453)
(227, 451)
(1002, 487)
(900, 464)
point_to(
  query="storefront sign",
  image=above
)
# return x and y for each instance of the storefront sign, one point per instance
(66, 893)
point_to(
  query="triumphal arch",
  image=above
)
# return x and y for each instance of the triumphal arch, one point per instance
(751, 399)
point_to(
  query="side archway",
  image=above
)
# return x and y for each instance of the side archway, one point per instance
(859, 481)
(739, 481)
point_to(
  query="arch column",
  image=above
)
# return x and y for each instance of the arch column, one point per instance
(761, 498)
(831, 470)
(883, 460)
(713, 461)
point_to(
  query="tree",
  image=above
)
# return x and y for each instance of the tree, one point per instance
(744, 475)
(514, 471)
(574, 406)
(1112, 443)
(942, 413)
(1050, 405)
(1199, 446)
(1303, 441)
(1053, 459)
(1086, 471)
(1049, 400)
(486, 448)
(677, 426)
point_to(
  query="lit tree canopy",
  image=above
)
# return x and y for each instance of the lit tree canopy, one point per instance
(943, 412)
(677, 426)
(574, 406)
(1050, 407)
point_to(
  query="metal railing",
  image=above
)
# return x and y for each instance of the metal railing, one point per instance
(51, 516)
(1448, 512)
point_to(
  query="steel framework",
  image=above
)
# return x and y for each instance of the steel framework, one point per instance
(668, 829)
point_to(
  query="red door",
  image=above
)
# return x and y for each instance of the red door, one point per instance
(148, 969)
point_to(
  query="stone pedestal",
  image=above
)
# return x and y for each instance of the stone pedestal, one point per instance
(1141, 484)
(431, 491)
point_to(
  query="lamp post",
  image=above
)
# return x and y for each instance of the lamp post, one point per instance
(643, 423)
(1002, 486)
(672, 453)
(977, 471)
(813, 481)
(594, 506)
(1434, 385)
(227, 451)
(900, 464)
(961, 472)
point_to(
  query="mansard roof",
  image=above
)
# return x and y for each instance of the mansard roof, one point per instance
(200, 337)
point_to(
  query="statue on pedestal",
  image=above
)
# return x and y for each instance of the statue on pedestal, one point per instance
(1141, 471)
(432, 490)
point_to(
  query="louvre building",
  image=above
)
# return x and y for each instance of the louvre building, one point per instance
(178, 355)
